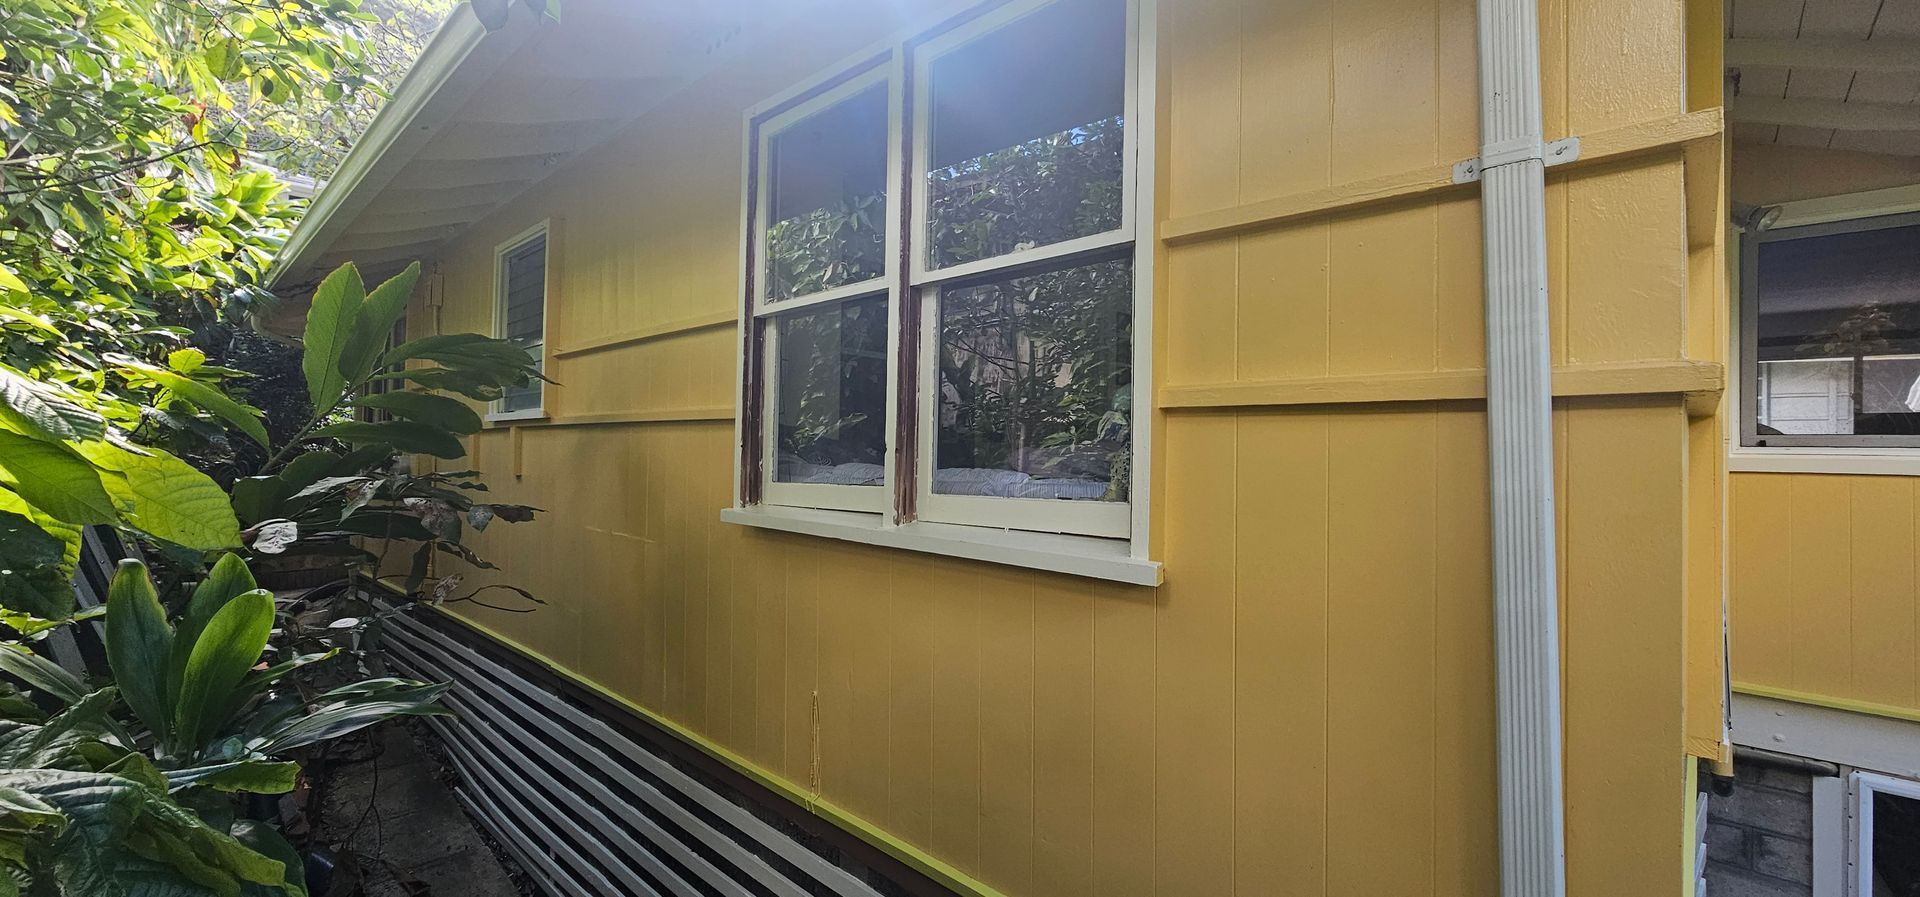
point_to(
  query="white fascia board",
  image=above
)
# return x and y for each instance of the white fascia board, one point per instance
(446, 71)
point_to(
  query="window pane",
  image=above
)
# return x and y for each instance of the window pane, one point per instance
(831, 391)
(1839, 334)
(827, 198)
(1036, 383)
(1026, 134)
(1896, 845)
(525, 307)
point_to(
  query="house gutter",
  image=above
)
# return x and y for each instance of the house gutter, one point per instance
(1512, 174)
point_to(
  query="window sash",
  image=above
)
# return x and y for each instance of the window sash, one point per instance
(880, 69)
(881, 73)
(1749, 387)
(913, 301)
(819, 495)
(505, 256)
(1112, 519)
(924, 55)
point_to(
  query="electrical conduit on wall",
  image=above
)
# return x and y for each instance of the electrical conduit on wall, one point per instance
(1520, 451)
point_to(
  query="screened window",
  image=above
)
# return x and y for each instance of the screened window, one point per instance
(1831, 333)
(968, 358)
(522, 312)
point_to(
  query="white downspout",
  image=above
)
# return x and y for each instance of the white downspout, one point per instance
(1520, 451)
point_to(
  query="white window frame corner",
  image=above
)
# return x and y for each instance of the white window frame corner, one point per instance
(497, 329)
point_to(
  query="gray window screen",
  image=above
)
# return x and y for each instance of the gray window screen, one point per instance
(1831, 334)
(523, 307)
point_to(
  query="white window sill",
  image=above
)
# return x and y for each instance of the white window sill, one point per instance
(1811, 459)
(1109, 559)
(515, 417)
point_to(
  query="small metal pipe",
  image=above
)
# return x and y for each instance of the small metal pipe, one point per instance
(1777, 760)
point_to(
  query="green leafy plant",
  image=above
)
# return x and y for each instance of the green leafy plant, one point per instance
(357, 506)
(198, 685)
(90, 805)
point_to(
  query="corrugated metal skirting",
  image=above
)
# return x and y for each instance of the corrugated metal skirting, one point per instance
(588, 810)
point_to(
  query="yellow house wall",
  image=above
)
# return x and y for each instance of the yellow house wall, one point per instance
(1306, 706)
(1825, 600)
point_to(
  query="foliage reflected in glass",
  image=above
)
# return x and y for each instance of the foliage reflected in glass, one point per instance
(831, 384)
(1028, 134)
(827, 198)
(1036, 385)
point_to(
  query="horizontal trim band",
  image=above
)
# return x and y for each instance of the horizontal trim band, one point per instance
(1803, 697)
(1624, 378)
(667, 416)
(644, 334)
(1605, 146)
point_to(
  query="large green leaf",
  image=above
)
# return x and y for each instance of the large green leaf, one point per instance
(438, 411)
(257, 498)
(406, 436)
(38, 410)
(374, 324)
(56, 480)
(32, 568)
(122, 835)
(336, 304)
(140, 646)
(41, 674)
(351, 708)
(226, 650)
(465, 350)
(167, 498)
(213, 401)
(250, 776)
(267, 842)
(228, 580)
(44, 591)
(477, 385)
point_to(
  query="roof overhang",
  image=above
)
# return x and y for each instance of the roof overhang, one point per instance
(485, 114)
(1834, 76)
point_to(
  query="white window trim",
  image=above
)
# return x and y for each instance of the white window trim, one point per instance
(1123, 557)
(541, 229)
(1864, 785)
(1857, 460)
(870, 499)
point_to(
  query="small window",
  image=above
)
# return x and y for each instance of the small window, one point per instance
(1886, 836)
(1831, 334)
(978, 344)
(521, 314)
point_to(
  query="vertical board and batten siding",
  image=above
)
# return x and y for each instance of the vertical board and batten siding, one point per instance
(1824, 593)
(1307, 705)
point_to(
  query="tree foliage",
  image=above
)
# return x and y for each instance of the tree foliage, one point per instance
(139, 211)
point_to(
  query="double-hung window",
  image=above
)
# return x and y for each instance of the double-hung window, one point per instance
(520, 314)
(1830, 334)
(942, 284)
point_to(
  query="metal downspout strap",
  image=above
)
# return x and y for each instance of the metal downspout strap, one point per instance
(1520, 452)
